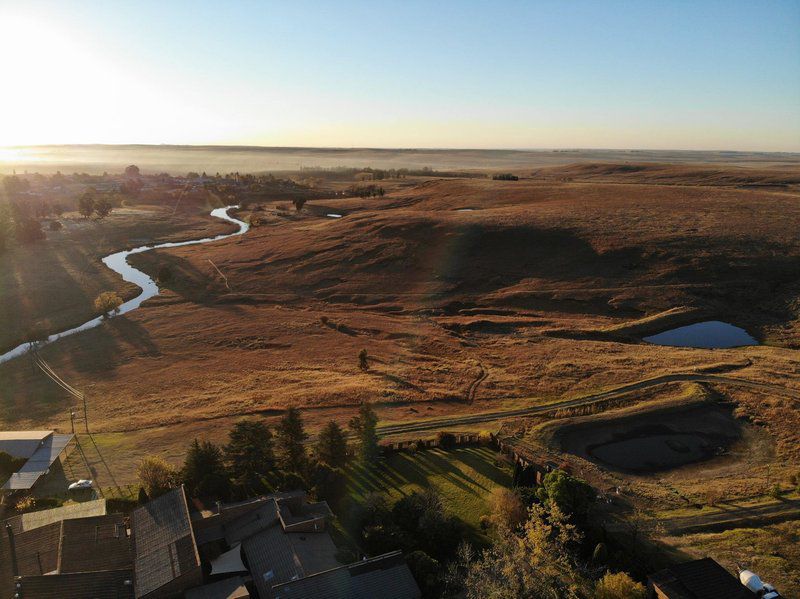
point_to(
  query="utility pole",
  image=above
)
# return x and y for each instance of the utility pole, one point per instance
(72, 420)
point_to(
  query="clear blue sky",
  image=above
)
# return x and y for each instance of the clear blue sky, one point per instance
(669, 74)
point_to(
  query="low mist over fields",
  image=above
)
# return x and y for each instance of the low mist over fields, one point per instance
(96, 159)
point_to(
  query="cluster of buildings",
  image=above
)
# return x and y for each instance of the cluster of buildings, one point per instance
(273, 547)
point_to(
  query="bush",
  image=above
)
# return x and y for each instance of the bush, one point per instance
(55, 225)
(156, 476)
(446, 440)
(107, 302)
(618, 586)
(426, 571)
(508, 511)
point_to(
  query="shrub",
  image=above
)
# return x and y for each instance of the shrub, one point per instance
(508, 511)
(55, 225)
(156, 476)
(619, 586)
(107, 302)
(446, 440)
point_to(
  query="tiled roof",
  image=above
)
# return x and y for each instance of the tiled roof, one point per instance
(275, 556)
(700, 579)
(163, 542)
(252, 522)
(37, 550)
(109, 584)
(229, 588)
(93, 544)
(386, 576)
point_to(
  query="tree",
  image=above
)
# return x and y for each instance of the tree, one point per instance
(107, 302)
(363, 357)
(508, 511)
(332, 446)
(204, 472)
(573, 496)
(291, 437)
(250, 454)
(86, 203)
(619, 586)
(132, 171)
(156, 476)
(29, 230)
(426, 571)
(103, 207)
(364, 425)
(538, 562)
(328, 484)
(299, 203)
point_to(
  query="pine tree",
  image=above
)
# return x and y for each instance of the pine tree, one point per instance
(332, 446)
(250, 454)
(204, 471)
(291, 436)
(364, 426)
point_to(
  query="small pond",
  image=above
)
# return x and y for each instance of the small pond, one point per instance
(711, 334)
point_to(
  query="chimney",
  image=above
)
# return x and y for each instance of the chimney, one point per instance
(13, 549)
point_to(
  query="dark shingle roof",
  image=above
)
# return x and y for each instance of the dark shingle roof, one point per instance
(164, 545)
(386, 576)
(37, 550)
(229, 588)
(112, 584)
(94, 544)
(700, 579)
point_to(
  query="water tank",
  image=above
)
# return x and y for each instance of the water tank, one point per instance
(751, 581)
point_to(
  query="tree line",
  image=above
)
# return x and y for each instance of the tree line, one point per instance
(260, 459)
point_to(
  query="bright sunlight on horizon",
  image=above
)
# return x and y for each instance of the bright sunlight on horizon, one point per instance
(705, 76)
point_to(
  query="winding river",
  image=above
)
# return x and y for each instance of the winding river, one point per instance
(118, 262)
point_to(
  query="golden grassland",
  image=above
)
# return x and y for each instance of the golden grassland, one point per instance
(539, 292)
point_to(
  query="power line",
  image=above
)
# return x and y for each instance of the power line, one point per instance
(53, 376)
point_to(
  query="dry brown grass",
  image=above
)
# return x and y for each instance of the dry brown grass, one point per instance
(434, 295)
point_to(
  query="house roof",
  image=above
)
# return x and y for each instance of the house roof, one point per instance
(386, 576)
(22, 444)
(31, 520)
(230, 588)
(251, 523)
(275, 556)
(95, 544)
(47, 451)
(109, 584)
(699, 579)
(164, 544)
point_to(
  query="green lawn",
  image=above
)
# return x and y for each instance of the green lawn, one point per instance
(464, 477)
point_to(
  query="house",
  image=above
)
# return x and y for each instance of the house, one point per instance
(698, 579)
(80, 551)
(278, 546)
(63, 554)
(43, 451)
(166, 560)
